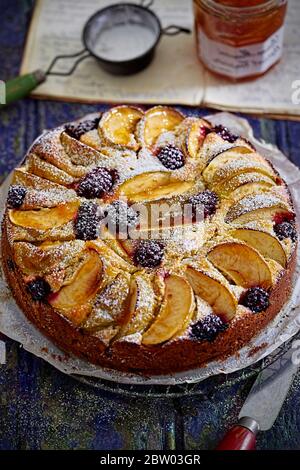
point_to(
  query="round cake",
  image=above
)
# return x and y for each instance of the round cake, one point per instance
(148, 241)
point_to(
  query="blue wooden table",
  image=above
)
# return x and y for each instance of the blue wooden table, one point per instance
(40, 408)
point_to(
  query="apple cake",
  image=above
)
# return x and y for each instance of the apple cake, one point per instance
(208, 272)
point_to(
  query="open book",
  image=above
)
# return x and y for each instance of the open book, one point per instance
(174, 77)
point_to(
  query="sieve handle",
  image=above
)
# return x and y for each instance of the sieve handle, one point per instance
(20, 87)
(172, 30)
(83, 54)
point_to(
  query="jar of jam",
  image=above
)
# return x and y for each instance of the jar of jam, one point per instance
(239, 39)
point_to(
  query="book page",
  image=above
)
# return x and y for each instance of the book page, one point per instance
(271, 93)
(174, 76)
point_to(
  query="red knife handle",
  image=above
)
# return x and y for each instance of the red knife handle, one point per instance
(241, 437)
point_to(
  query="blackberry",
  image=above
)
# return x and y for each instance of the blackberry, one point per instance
(285, 230)
(87, 222)
(206, 201)
(77, 130)
(97, 183)
(16, 196)
(10, 265)
(121, 217)
(149, 254)
(39, 289)
(171, 157)
(256, 299)
(208, 328)
(225, 133)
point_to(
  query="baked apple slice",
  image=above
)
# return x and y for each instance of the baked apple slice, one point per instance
(141, 305)
(92, 139)
(110, 255)
(242, 264)
(190, 135)
(108, 308)
(215, 293)
(118, 125)
(23, 178)
(214, 145)
(196, 136)
(268, 245)
(39, 167)
(46, 218)
(73, 300)
(258, 206)
(250, 189)
(80, 156)
(113, 243)
(245, 183)
(177, 309)
(152, 186)
(157, 120)
(43, 258)
(229, 164)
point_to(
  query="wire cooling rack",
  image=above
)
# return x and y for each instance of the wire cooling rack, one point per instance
(205, 388)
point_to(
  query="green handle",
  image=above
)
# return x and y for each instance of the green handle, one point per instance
(20, 87)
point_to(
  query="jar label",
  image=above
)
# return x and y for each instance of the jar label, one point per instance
(239, 62)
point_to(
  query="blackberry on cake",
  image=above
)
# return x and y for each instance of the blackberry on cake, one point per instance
(208, 328)
(87, 222)
(77, 130)
(171, 157)
(39, 289)
(205, 201)
(225, 133)
(286, 230)
(16, 196)
(149, 254)
(97, 183)
(256, 299)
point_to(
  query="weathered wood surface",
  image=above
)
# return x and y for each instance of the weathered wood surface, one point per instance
(40, 408)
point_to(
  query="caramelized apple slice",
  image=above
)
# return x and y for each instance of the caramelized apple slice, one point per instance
(168, 191)
(46, 170)
(196, 137)
(113, 243)
(228, 164)
(118, 126)
(153, 185)
(44, 219)
(177, 309)
(264, 242)
(257, 206)
(92, 139)
(73, 300)
(190, 135)
(109, 305)
(155, 121)
(145, 182)
(110, 255)
(249, 189)
(241, 263)
(216, 294)
(23, 178)
(141, 305)
(238, 183)
(38, 260)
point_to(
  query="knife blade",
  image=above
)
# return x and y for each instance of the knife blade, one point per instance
(264, 402)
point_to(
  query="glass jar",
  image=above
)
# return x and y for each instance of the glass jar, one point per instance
(239, 39)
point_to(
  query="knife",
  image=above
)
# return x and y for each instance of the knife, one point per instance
(264, 402)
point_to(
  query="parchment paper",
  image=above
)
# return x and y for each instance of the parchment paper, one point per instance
(15, 325)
